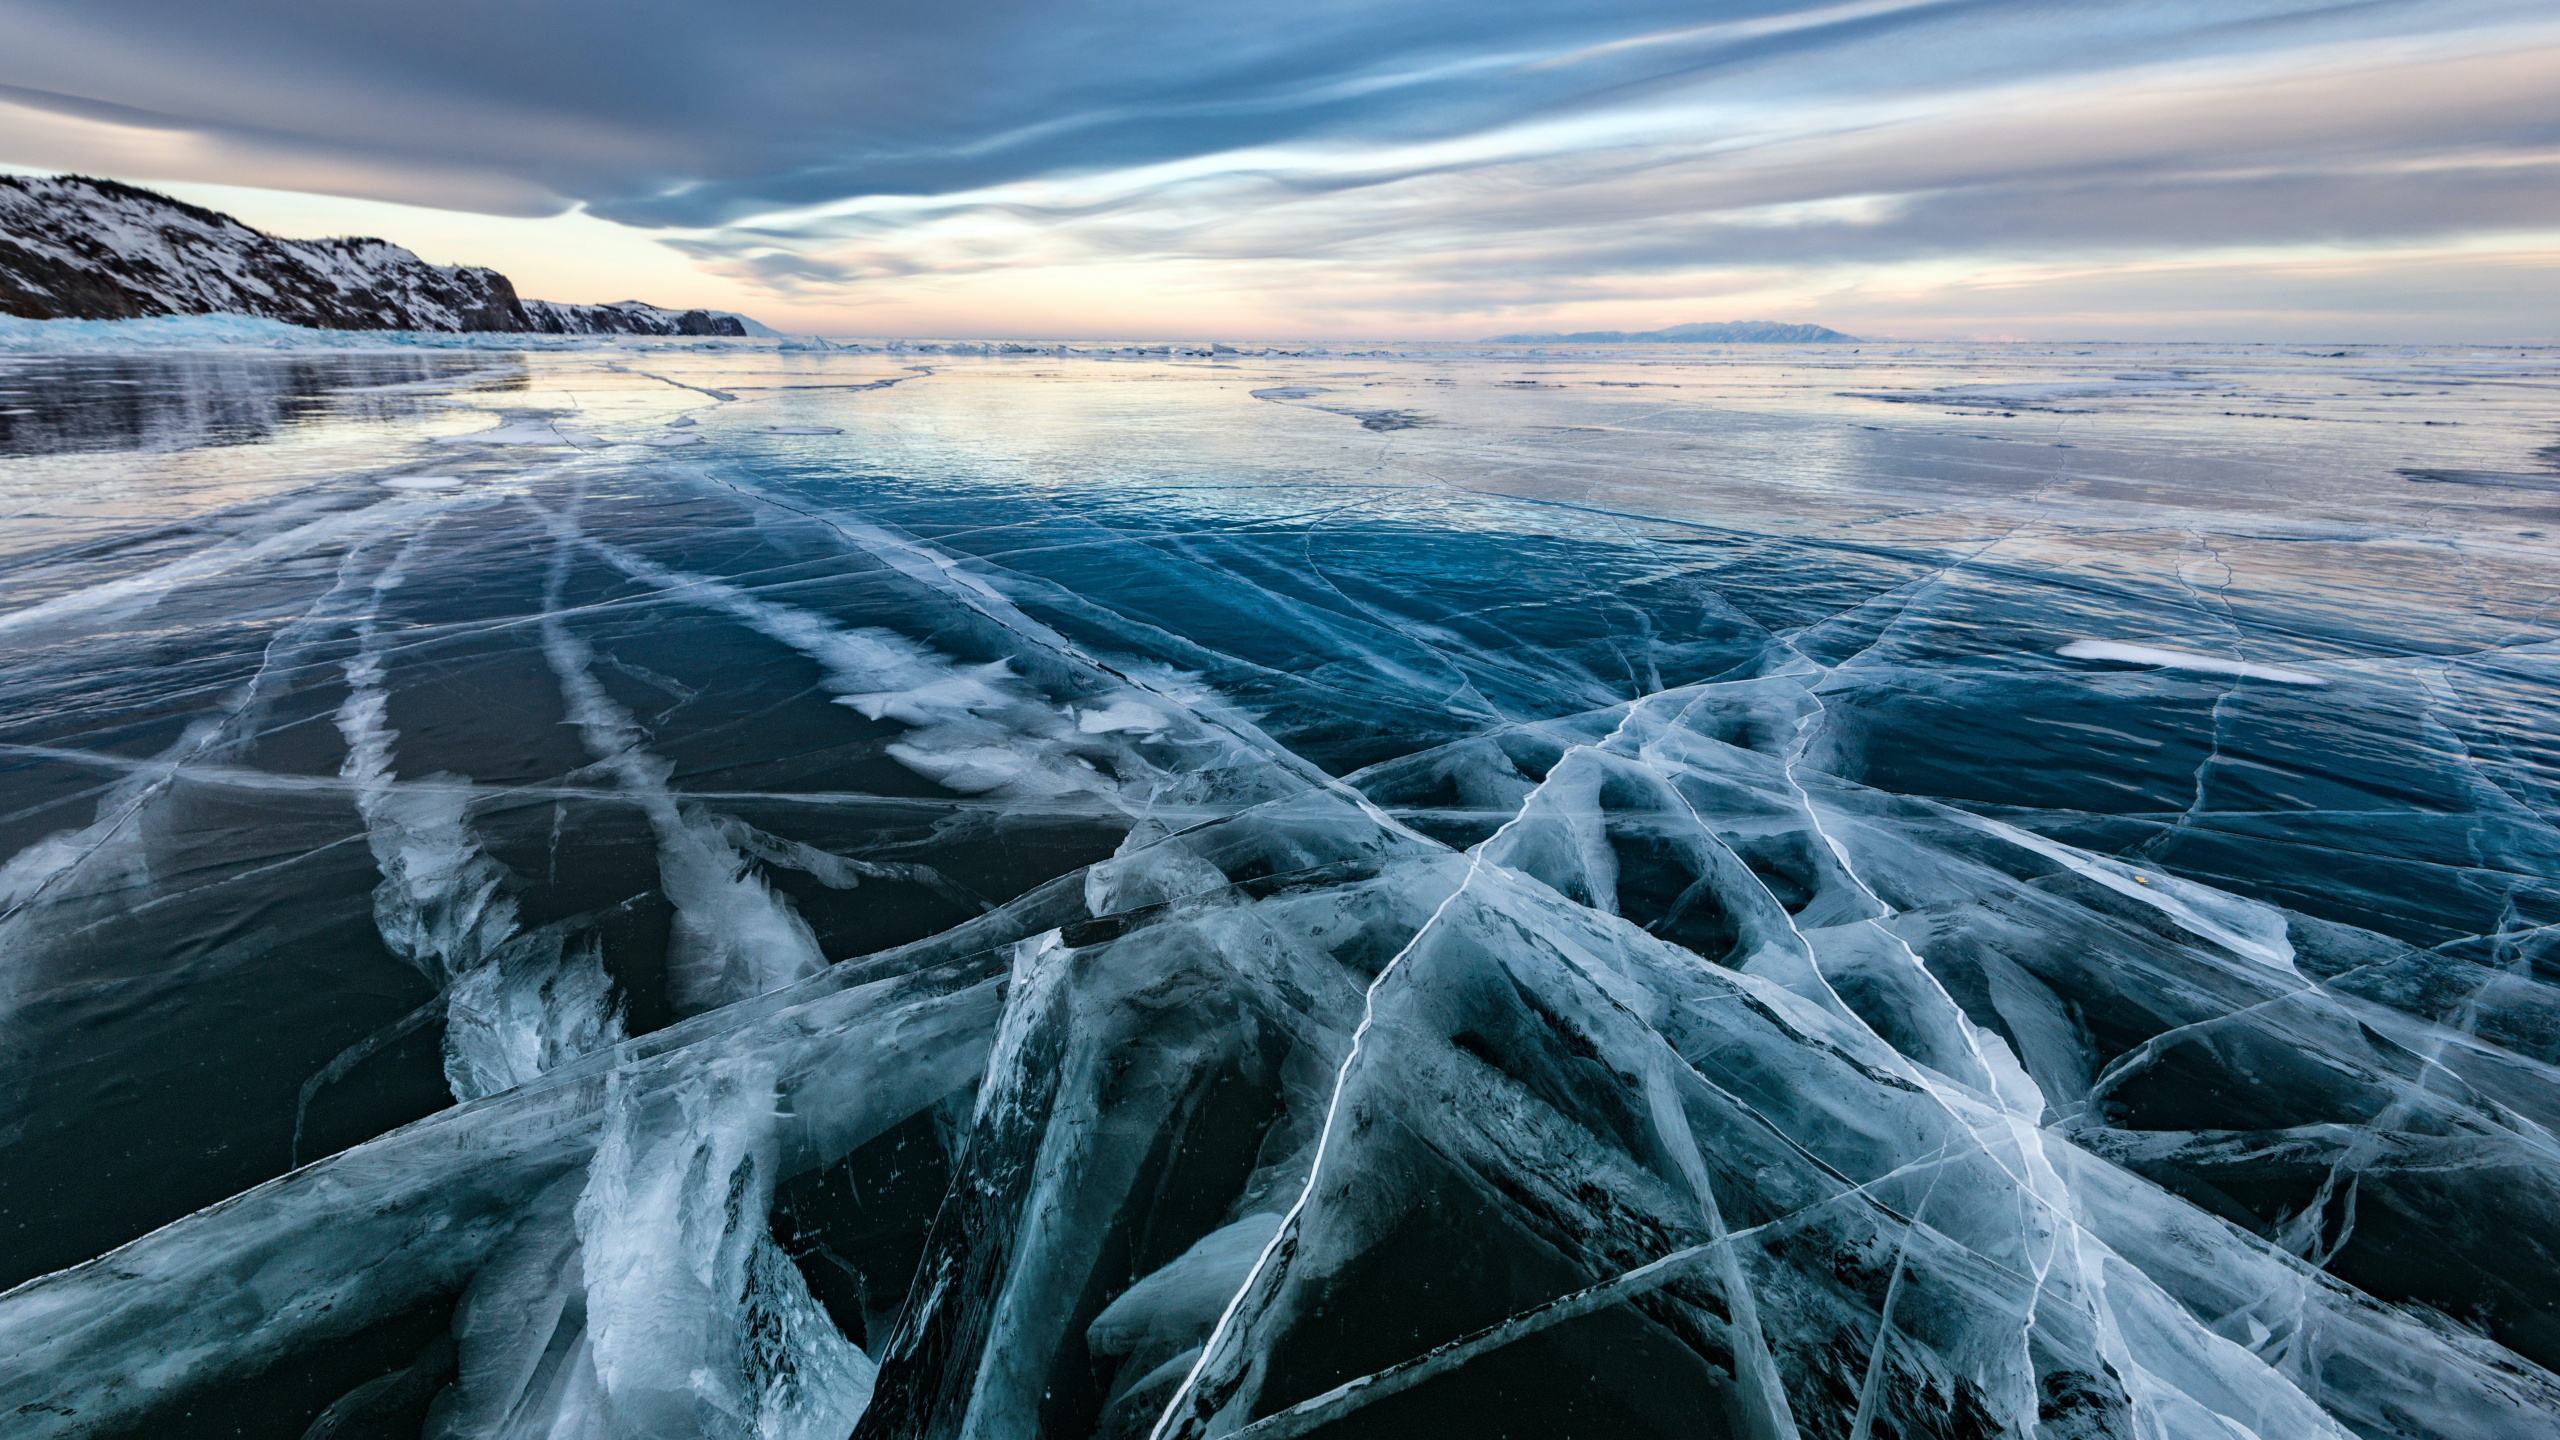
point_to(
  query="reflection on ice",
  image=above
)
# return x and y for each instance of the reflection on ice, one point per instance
(1109, 909)
(65, 404)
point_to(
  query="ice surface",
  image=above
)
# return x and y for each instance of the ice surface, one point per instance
(1598, 905)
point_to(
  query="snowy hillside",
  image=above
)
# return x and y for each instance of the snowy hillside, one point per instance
(77, 248)
(633, 317)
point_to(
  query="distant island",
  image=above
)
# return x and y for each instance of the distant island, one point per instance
(1716, 332)
(76, 248)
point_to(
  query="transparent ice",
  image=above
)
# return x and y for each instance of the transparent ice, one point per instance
(1649, 891)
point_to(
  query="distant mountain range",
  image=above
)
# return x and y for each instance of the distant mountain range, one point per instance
(74, 248)
(1719, 332)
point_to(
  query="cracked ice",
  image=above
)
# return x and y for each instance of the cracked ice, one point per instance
(1092, 896)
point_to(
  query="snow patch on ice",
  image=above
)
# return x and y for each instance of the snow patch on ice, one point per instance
(978, 729)
(2243, 927)
(521, 432)
(733, 937)
(979, 769)
(941, 693)
(2184, 660)
(420, 482)
(1120, 717)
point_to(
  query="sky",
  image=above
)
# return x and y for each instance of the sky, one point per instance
(2350, 170)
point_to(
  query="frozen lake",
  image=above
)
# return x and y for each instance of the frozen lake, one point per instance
(721, 891)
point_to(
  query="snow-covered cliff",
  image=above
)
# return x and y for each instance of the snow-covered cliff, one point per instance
(72, 247)
(632, 317)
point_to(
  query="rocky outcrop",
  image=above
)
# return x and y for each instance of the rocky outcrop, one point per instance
(76, 248)
(627, 317)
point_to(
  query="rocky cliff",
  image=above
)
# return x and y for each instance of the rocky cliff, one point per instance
(76, 248)
(627, 317)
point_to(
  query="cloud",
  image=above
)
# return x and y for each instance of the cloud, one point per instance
(43, 131)
(688, 113)
(1504, 155)
(2363, 144)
